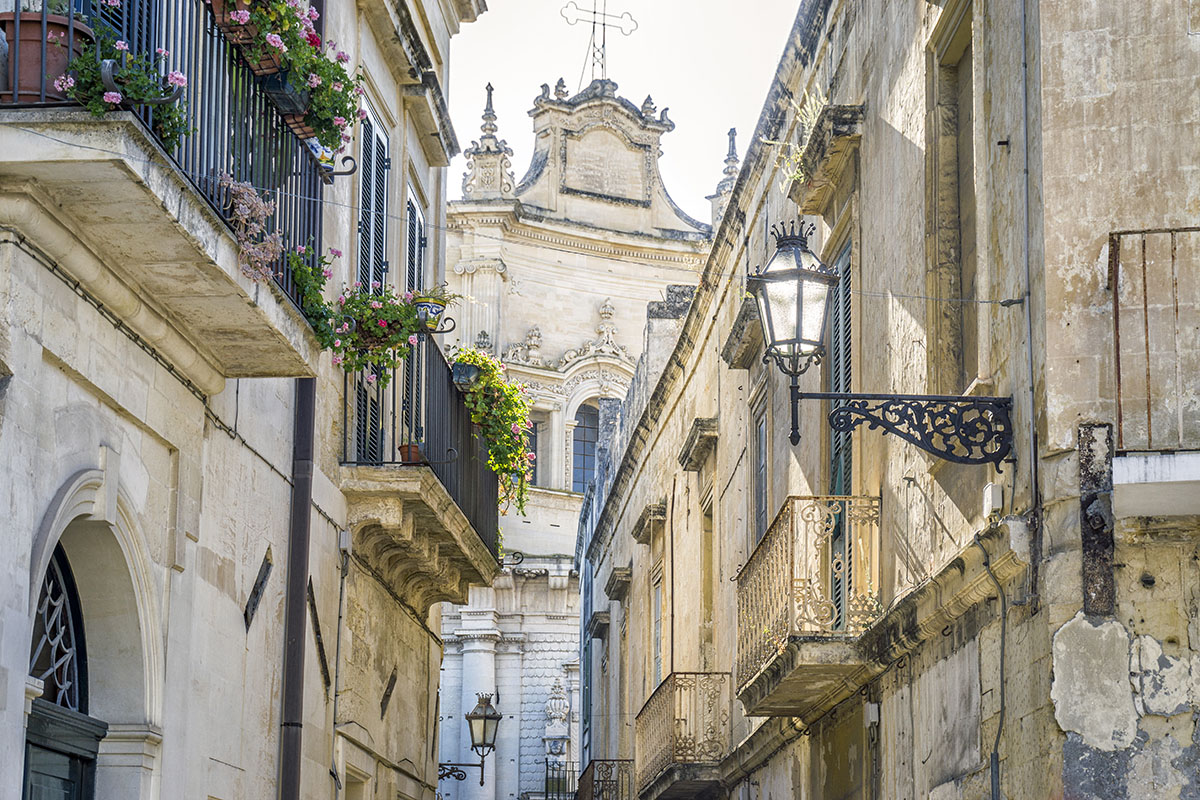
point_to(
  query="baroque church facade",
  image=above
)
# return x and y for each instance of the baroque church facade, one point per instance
(560, 272)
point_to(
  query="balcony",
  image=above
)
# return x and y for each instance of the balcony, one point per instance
(606, 779)
(681, 735)
(422, 499)
(1155, 287)
(807, 592)
(137, 225)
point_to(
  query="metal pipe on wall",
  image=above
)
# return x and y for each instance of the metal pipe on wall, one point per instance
(295, 593)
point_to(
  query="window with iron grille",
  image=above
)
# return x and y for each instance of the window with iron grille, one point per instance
(587, 433)
(839, 373)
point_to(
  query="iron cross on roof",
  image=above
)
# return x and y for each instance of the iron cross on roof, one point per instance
(601, 19)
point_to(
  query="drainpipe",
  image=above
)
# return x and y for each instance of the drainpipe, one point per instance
(295, 592)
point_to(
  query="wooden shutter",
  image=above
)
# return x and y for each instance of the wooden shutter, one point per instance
(840, 464)
(372, 269)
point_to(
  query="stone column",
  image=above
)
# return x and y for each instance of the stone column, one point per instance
(568, 451)
(507, 759)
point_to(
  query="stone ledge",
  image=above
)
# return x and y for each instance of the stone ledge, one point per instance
(701, 440)
(654, 514)
(745, 337)
(827, 152)
(617, 585)
(414, 535)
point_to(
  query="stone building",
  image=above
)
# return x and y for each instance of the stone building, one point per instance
(559, 271)
(1007, 194)
(220, 579)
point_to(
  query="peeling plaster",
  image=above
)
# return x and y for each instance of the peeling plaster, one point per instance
(1163, 683)
(1092, 694)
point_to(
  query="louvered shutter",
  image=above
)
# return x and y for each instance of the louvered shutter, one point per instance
(372, 269)
(414, 281)
(840, 477)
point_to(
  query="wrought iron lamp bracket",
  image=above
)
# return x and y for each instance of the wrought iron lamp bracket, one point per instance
(965, 430)
(456, 771)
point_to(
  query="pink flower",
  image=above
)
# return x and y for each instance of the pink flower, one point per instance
(113, 3)
(383, 323)
(112, 97)
(412, 339)
(313, 14)
(371, 377)
(516, 428)
(338, 86)
(358, 90)
(241, 17)
(502, 368)
(63, 82)
(337, 342)
(333, 251)
(358, 284)
(375, 284)
(164, 52)
(328, 273)
(339, 121)
(408, 295)
(342, 56)
(121, 44)
(275, 41)
(55, 38)
(314, 80)
(376, 304)
(530, 456)
(338, 360)
(362, 113)
(176, 78)
(342, 300)
(345, 137)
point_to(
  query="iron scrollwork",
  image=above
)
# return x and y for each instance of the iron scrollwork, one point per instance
(965, 430)
(447, 771)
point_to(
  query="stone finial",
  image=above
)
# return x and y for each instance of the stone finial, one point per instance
(488, 175)
(560, 90)
(558, 707)
(648, 107)
(483, 341)
(530, 352)
(720, 198)
(607, 309)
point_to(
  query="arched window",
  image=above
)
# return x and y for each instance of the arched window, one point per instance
(587, 432)
(61, 741)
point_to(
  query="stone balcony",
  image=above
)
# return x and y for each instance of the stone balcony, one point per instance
(133, 222)
(682, 733)
(808, 591)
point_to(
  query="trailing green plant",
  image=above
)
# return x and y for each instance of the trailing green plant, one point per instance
(139, 79)
(284, 30)
(501, 410)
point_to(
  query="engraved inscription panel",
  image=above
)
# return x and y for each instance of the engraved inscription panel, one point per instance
(601, 162)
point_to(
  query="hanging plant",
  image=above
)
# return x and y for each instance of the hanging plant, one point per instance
(105, 76)
(247, 211)
(315, 92)
(367, 327)
(501, 410)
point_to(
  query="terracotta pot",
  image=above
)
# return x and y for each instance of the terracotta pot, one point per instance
(242, 36)
(34, 72)
(298, 126)
(410, 453)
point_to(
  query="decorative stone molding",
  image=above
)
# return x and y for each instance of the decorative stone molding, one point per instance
(745, 340)
(700, 441)
(827, 152)
(530, 352)
(604, 344)
(617, 586)
(413, 535)
(652, 518)
(597, 624)
(489, 175)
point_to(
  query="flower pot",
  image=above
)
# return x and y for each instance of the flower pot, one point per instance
(234, 32)
(290, 97)
(429, 310)
(33, 74)
(297, 125)
(410, 453)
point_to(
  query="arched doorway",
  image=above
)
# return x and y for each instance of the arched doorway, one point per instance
(61, 741)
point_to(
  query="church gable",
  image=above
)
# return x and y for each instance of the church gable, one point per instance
(602, 163)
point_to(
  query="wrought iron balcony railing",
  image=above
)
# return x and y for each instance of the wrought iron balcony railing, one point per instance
(233, 127)
(813, 574)
(606, 779)
(561, 781)
(419, 418)
(685, 721)
(1156, 338)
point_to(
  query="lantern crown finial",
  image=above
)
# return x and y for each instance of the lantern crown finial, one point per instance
(792, 234)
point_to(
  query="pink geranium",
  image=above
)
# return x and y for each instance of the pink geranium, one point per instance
(275, 41)
(241, 17)
(112, 97)
(176, 78)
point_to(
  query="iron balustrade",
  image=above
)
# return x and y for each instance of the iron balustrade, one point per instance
(606, 779)
(234, 127)
(814, 573)
(561, 781)
(1154, 276)
(419, 418)
(685, 721)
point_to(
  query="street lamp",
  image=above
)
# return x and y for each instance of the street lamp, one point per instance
(793, 292)
(482, 721)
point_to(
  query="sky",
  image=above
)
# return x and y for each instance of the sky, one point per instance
(709, 61)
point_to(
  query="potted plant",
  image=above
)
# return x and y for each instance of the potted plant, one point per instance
(105, 75)
(431, 304)
(33, 70)
(410, 453)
